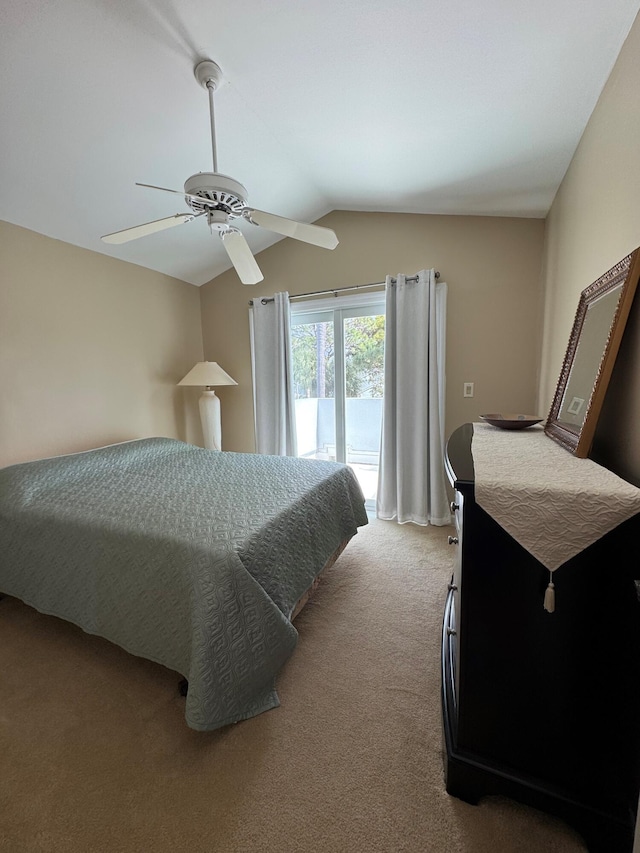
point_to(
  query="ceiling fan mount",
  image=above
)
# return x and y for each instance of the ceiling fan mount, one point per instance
(223, 199)
(208, 73)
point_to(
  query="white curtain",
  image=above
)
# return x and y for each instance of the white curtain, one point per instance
(274, 406)
(411, 485)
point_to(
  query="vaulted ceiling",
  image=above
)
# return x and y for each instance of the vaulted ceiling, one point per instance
(463, 107)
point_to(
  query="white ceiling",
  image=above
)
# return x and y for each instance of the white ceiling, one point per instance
(416, 106)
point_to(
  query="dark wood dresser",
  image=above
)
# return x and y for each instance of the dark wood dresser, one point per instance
(542, 707)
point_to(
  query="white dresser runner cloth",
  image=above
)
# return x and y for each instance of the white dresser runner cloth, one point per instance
(552, 503)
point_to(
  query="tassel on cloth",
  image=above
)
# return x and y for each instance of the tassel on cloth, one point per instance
(550, 596)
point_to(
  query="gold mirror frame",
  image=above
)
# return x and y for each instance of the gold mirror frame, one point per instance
(577, 436)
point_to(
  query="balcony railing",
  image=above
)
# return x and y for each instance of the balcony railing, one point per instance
(315, 426)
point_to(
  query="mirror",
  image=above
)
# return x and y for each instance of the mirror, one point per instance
(602, 313)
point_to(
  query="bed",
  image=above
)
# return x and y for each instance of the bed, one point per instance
(192, 558)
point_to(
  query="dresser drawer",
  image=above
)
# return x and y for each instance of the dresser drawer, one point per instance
(455, 539)
(450, 651)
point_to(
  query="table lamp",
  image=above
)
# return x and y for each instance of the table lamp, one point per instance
(209, 373)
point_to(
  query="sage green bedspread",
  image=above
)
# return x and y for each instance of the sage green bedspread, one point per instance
(189, 557)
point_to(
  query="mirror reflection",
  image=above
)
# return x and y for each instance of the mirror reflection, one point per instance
(594, 335)
(595, 338)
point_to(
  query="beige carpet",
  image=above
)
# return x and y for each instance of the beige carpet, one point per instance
(95, 754)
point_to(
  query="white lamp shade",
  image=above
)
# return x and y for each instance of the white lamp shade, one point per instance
(207, 373)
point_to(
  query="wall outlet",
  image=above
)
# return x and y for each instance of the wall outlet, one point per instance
(468, 389)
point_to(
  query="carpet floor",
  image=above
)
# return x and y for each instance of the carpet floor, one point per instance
(95, 754)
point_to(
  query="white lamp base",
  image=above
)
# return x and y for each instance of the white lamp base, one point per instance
(210, 416)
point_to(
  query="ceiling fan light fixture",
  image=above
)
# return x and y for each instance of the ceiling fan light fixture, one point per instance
(218, 220)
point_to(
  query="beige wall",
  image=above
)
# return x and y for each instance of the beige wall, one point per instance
(90, 349)
(492, 267)
(594, 222)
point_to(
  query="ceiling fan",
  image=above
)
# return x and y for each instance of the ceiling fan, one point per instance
(222, 199)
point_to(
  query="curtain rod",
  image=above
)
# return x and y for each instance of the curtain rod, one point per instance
(337, 290)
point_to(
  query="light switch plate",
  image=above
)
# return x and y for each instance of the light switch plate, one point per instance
(468, 389)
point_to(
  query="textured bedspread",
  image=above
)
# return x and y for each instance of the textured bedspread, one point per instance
(188, 557)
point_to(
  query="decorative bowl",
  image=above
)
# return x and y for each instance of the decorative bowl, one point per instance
(511, 421)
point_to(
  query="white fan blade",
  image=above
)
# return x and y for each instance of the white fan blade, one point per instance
(241, 256)
(148, 228)
(315, 234)
(177, 192)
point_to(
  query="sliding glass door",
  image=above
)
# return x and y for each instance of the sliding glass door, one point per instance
(338, 375)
